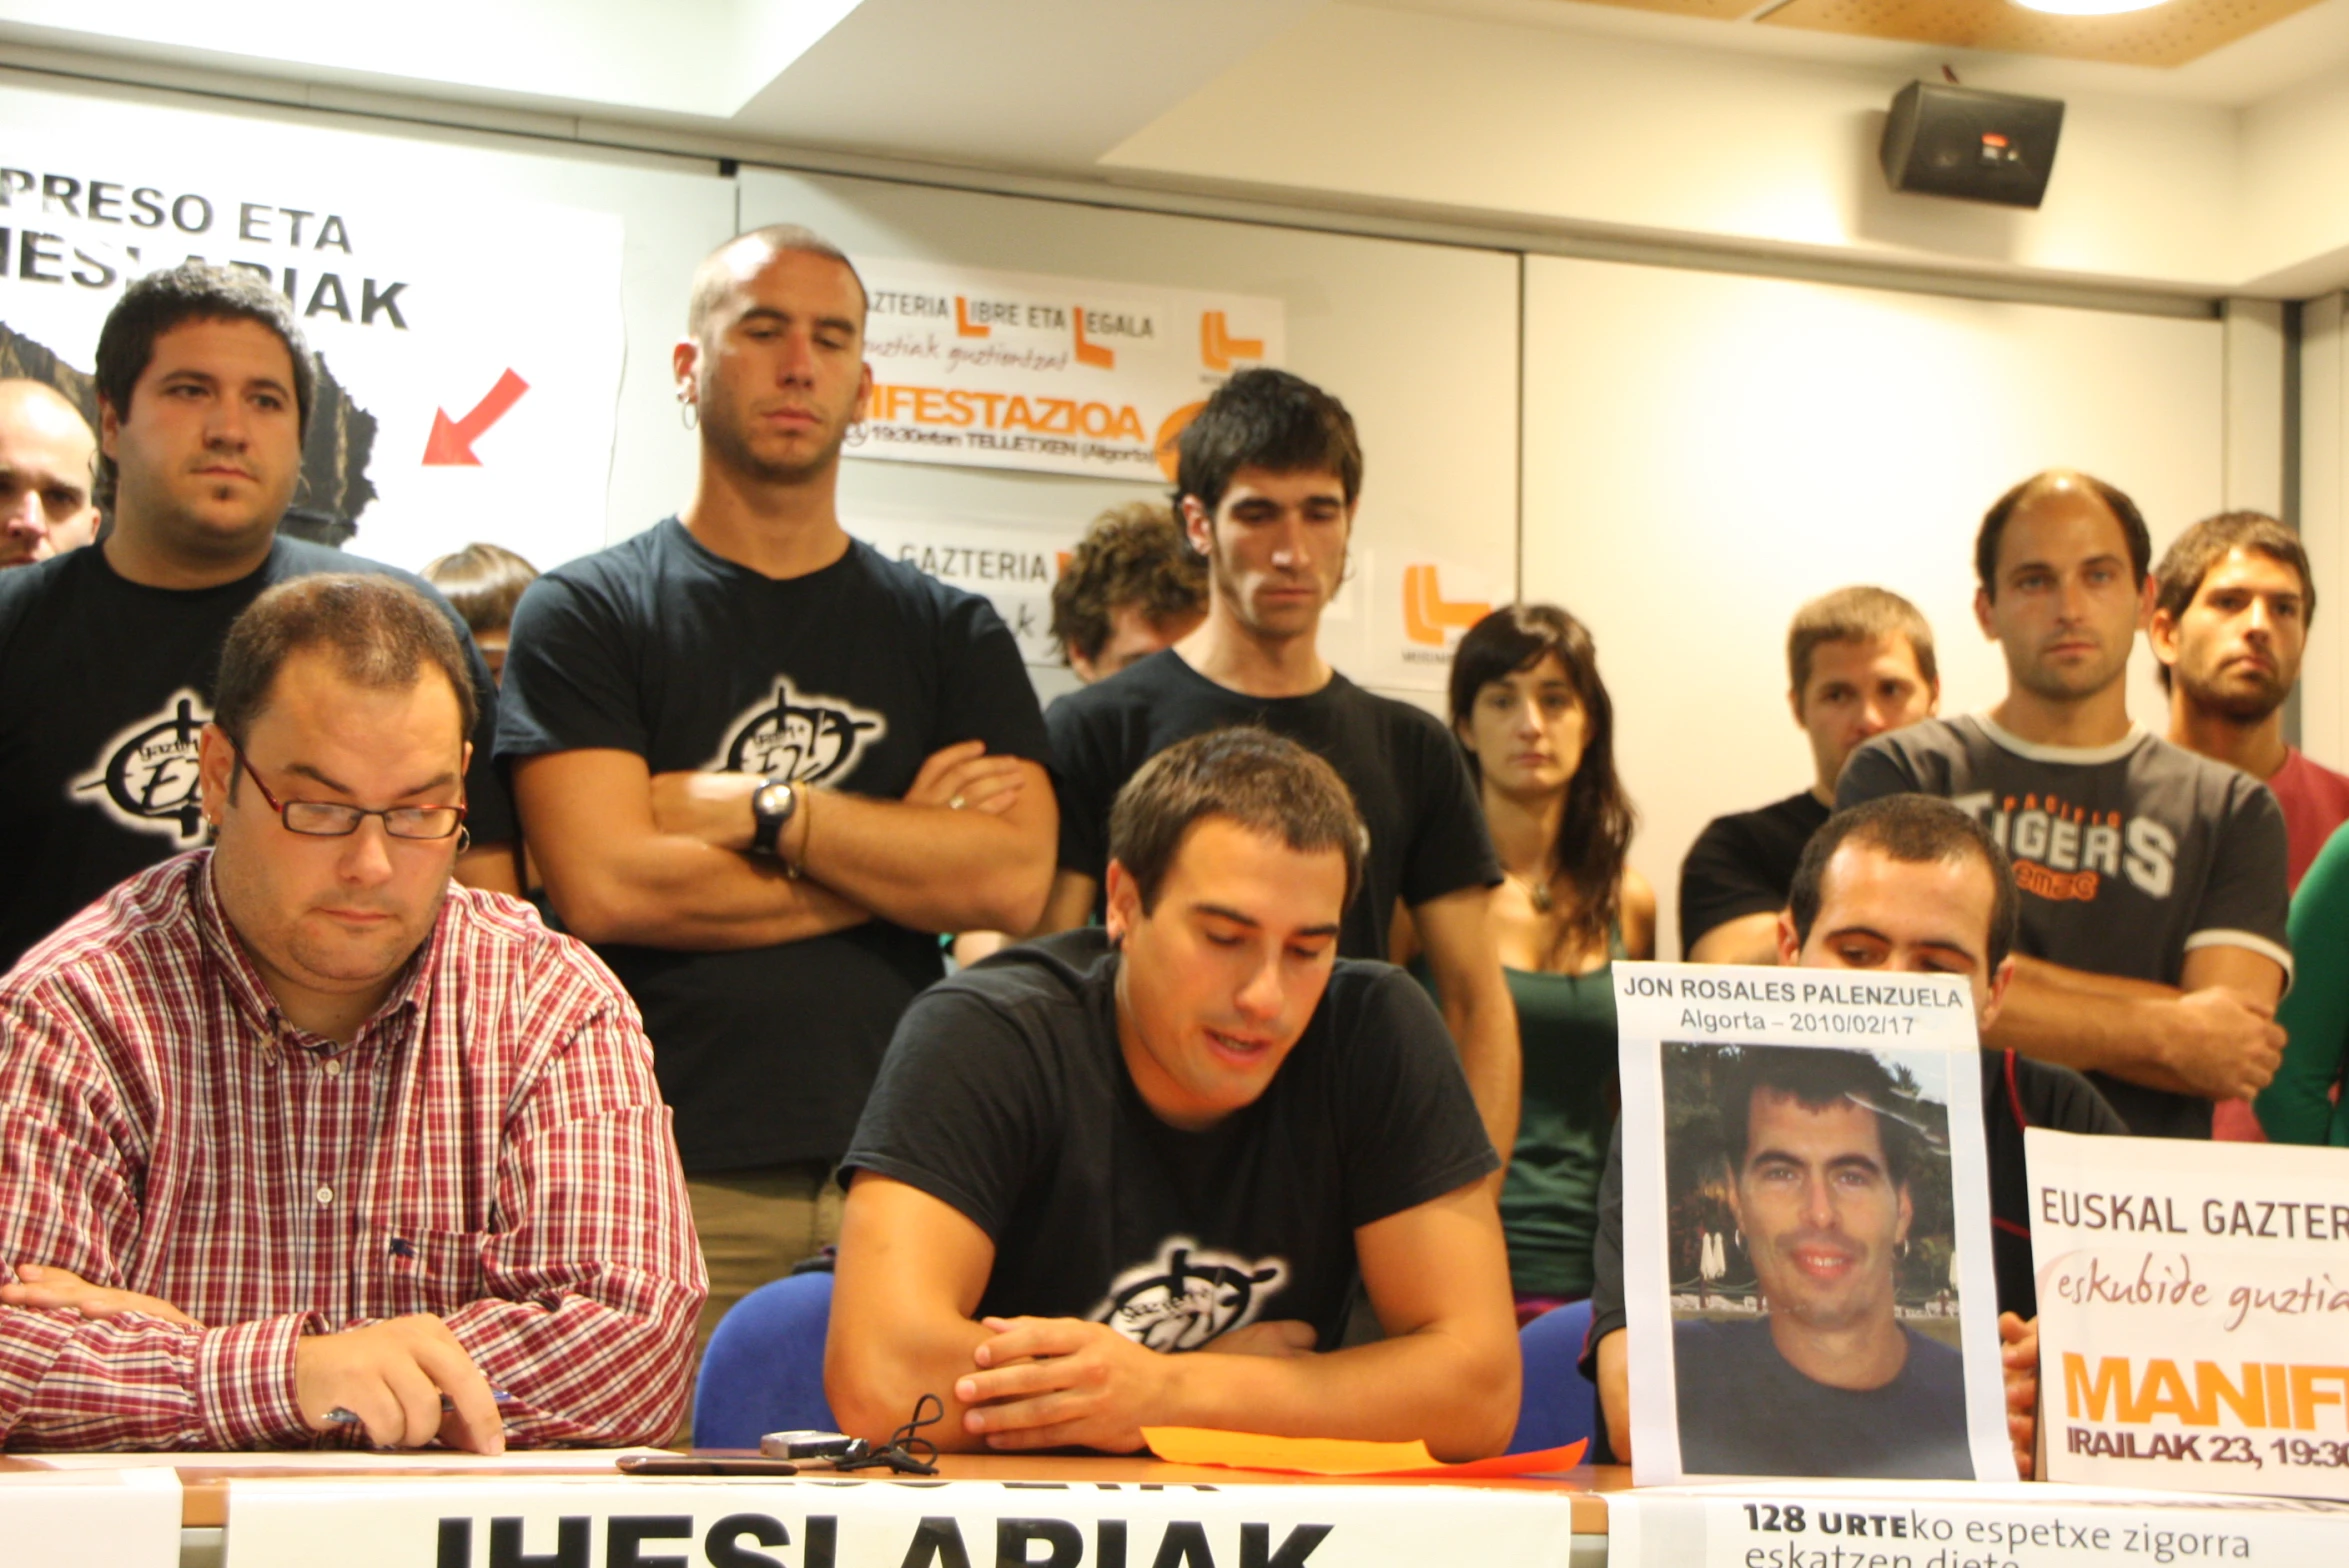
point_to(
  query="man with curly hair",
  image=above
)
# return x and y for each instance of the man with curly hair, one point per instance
(1130, 588)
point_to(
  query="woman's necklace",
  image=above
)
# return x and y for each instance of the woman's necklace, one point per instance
(1538, 892)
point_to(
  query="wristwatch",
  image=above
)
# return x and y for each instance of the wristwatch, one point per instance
(771, 806)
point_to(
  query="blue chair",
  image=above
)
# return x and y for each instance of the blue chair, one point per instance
(764, 1369)
(1560, 1406)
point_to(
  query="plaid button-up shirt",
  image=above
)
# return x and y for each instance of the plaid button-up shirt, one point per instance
(491, 1148)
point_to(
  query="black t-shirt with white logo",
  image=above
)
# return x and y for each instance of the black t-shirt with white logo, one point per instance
(109, 684)
(1410, 782)
(1006, 1096)
(847, 677)
(2128, 857)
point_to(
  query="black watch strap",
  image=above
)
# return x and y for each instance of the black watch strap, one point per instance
(768, 813)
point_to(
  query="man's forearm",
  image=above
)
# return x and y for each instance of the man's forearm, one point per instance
(72, 1382)
(930, 867)
(606, 1368)
(493, 868)
(2090, 1022)
(669, 891)
(1433, 1384)
(1483, 1022)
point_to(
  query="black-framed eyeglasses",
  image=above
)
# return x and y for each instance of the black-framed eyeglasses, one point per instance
(332, 819)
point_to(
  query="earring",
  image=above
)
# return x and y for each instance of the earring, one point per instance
(464, 838)
(688, 411)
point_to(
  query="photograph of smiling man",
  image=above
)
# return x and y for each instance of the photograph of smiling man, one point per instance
(1807, 1258)
(1808, 1195)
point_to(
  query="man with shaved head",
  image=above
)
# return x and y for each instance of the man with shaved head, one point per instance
(2152, 947)
(48, 469)
(762, 765)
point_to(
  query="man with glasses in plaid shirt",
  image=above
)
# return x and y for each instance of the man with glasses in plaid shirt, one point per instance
(298, 1139)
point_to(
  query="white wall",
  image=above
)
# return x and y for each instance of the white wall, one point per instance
(1705, 452)
(1419, 340)
(1631, 137)
(2324, 526)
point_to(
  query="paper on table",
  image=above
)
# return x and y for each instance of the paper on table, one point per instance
(541, 1460)
(1195, 1445)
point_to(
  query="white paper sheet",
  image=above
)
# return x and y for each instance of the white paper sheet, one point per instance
(1677, 1023)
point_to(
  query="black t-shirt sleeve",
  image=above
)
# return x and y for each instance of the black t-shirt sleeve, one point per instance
(1875, 770)
(960, 1109)
(1086, 778)
(1721, 881)
(1409, 1126)
(569, 686)
(984, 690)
(2246, 894)
(489, 806)
(1452, 849)
(2060, 1099)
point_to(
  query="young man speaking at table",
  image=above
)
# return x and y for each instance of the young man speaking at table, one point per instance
(1125, 1177)
(296, 1138)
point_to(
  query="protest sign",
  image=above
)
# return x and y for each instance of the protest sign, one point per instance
(2193, 1313)
(1806, 1236)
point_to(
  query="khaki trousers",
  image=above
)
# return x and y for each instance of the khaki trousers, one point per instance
(754, 1225)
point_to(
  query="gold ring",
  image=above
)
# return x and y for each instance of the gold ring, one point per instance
(956, 804)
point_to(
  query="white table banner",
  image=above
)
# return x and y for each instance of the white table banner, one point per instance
(90, 1518)
(1941, 1524)
(854, 1522)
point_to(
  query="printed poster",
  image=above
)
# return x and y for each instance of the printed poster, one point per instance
(1806, 1227)
(469, 357)
(1054, 375)
(1962, 1524)
(812, 1521)
(2193, 1313)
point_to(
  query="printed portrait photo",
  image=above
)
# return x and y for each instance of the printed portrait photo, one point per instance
(1811, 1250)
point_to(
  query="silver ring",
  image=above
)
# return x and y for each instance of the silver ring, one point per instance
(956, 804)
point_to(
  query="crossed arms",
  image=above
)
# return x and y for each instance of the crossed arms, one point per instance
(659, 859)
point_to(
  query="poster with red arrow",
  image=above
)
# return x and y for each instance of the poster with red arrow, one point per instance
(469, 352)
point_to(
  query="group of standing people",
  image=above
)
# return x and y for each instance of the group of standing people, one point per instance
(760, 770)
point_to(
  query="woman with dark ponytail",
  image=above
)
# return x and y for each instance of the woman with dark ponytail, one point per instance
(1535, 720)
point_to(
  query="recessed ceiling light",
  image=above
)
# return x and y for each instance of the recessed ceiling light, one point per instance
(2087, 7)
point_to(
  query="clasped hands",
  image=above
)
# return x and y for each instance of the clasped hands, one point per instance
(1065, 1382)
(390, 1376)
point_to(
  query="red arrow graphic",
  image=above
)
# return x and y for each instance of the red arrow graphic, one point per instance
(451, 442)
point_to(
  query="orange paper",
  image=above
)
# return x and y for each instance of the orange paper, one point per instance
(1194, 1445)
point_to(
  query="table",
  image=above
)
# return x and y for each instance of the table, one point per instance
(206, 1512)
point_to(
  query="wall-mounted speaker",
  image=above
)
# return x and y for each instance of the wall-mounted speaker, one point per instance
(1941, 140)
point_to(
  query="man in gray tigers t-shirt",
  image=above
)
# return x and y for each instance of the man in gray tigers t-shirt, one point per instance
(2128, 857)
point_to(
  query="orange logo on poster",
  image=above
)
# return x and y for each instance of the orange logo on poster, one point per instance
(1168, 443)
(962, 407)
(1218, 348)
(1088, 352)
(1428, 615)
